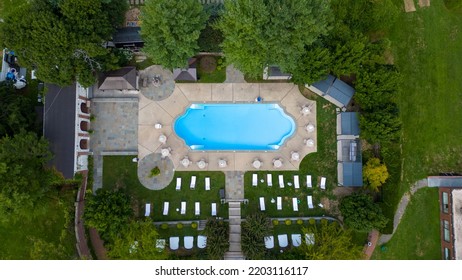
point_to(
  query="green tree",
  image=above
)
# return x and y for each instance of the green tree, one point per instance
(380, 126)
(170, 30)
(313, 66)
(108, 212)
(375, 174)
(256, 226)
(25, 179)
(361, 214)
(138, 241)
(43, 250)
(262, 32)
(61, 39)
(331, 242)
(217, 238)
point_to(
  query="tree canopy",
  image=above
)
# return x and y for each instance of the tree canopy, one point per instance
(256, 226)
(217, 238)
(171, 29)
(331, 242)
(361, 213)
(375, 174)
(265, 32)
(63, 39)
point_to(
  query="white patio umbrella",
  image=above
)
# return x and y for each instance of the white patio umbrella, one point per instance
(165, 152)
(222, 163)
(309, 142)
(306, 110)
(256, 163)
(201, 164)
(185, 162)
(310, 127)
(295, 156)
(162, 139)
(277, 163)
(157, 126)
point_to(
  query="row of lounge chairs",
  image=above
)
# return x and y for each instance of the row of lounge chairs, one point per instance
(295, 203)
(283, 240)
(269, 181)
(197, 208)
(192, 184)
(188, 242)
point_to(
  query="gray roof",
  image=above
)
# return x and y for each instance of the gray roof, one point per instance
(59, 126)
(352, 174)
(325, 84)
(336, 89)
(276, 71)
(349, 123)
(445, 181)
(189, 74)
(127, 35)
(120, 79)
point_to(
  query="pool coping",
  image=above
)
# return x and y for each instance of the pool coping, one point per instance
(165, 112)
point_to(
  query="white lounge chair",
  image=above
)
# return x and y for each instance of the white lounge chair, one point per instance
(147, 210)
(183, 208)
(262, 204)
(197, 208)
(174, 242)
(309, 238)
(166, 205)
(282, 240)
(254, 180)
(178, 184)
(308, 181)
(279, 203)
(269, 242)
(295, 203)
(296, 239)
(188, 242)
(207, 183)
(269, 180)
(214, 209)
(201, 241)
(192, 186)
(309, 198)
(296, 182)
(323, 183)
(281, 181)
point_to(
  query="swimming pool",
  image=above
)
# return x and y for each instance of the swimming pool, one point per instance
(236, 127)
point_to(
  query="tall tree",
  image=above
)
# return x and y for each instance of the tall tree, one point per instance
(361, 213)
(170, 30)
(62, 39)
(382, 125)
(256, 226)
(331, 242)
(262, 32)
(217, 238)
(138, 241)
(375, 174)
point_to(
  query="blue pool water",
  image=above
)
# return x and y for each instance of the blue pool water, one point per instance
(234, 126)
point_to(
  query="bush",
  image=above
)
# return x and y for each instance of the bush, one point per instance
(164, 226)
(288, 222)
(275, 222)
(194, 225)
(299, 222)
(154, 172)
(324, 221)
(179, 226)
(312, 221)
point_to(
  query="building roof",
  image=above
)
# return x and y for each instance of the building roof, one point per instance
(445, 181)
(59, 126)
(349, 124)
(350, 174)
(127, 35)
(189, 74)
(325, 84)
(335, 91)
(120, 79)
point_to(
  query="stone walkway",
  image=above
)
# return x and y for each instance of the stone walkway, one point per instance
(234, 184)
(146, 164)
(233, 75)
(384, 238)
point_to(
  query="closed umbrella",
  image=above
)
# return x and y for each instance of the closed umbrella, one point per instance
(222, 163)
(185, 162)
(165, 152)
(277, 163)
(295, 156)
(201, 164)
(309, 142)
(310, 127)
(162, 139)
(257, 164)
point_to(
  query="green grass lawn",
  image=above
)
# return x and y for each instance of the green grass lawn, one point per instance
(418, 234)
(217, 76)
(121, 172)
(52, 223)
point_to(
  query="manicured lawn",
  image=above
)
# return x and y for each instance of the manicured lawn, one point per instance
(418, 234)
(321, 163)
(209, 70)
(427, 52)
(218, 76)
(52, 223)
(121, 172)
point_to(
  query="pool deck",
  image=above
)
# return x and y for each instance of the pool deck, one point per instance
(167, 110)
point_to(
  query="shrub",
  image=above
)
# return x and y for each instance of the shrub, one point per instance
(288, 222)
(275, 222)
(164, 226)
(312, 221)
(154, 172)
(179, 226)
(299, 222)
(323, 221)
(194, 225)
